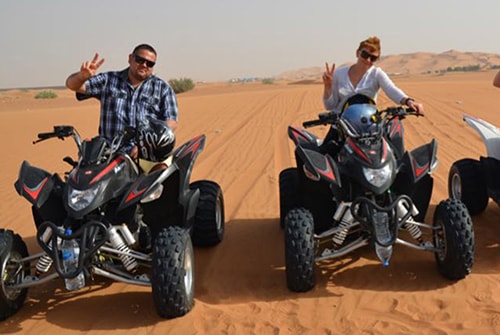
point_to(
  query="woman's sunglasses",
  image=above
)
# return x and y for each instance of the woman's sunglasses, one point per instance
(365, 54)
(140, 60)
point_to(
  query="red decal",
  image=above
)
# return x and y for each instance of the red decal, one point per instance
(134, 194)
(298, 134)
(328, 172)
(358, 150)
(384, 153)
(396, 129)
(35, 191)
(107, 169)
(192, 147)
(418, 169)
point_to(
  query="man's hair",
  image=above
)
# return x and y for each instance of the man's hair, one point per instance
(144, 46)
(371, 43)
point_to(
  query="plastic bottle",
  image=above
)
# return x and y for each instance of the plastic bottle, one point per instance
(70, 254)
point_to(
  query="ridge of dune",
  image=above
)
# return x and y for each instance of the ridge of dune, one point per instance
(416, 63)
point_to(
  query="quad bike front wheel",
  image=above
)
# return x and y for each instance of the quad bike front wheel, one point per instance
(454, 237)
(300, 250)
(209, 218)
(13, 271)
(288, 188)
(173, 272)
(466, 183)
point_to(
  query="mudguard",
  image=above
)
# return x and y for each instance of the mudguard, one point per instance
(421, 161)
(301, 136)
(34, 184)
(488, 132)
(183, 161)
(318, 166)
(141, 188)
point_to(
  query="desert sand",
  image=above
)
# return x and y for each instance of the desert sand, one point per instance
(240, 284)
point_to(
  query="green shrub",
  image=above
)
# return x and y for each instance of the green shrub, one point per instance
(181, 85)
(46, 95)
(268, 81)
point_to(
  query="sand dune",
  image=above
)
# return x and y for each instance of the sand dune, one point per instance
(240, 284)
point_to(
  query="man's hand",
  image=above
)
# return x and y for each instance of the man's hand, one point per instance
(134, 152)
(89, 68)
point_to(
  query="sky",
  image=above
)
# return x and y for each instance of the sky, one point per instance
(42, 42)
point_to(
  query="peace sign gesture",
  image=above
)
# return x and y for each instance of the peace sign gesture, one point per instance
(328, 75)
(89, 68)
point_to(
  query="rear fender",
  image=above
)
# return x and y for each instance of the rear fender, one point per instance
(395, 136)
(34, 184)
(301, 136)
(489, 134)
(318, 166)
(185, 156)
(421, 160)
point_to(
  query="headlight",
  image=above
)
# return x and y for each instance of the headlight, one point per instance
(154, 194)
(79, 200)
(378, 177)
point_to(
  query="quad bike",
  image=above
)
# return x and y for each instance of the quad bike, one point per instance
(130, 226)
(475, 181)
(370, 191)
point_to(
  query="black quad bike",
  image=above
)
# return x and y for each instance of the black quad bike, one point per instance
(475, 181)
(130, 226)
(370, 191)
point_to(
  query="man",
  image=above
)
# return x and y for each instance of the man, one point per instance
(127, 97)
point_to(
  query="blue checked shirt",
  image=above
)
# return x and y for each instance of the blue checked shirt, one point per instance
(122, 105)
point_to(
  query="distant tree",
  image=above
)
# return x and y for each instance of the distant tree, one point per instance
(181, 85)
(268, 81)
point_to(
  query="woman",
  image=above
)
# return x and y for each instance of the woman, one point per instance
(362, 78)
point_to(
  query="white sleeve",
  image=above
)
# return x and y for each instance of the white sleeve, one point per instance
(389, 88)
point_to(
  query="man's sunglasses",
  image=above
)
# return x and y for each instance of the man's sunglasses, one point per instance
(140, 60)
(365, 54)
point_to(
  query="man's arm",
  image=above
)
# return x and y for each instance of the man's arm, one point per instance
(76, 82)
(496, 80)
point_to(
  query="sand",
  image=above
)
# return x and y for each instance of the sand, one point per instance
(240, 284)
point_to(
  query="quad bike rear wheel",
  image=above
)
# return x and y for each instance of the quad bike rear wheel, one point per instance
(209, 218)
(466, 183)
(288, 188)
(173, 272)
(454, 236)
(300, 250)
(13, 271)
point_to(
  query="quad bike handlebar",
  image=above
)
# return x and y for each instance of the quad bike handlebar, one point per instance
(329, 117)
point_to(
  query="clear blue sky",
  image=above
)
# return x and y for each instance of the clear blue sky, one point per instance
(42, 42)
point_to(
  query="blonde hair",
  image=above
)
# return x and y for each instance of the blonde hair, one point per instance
(371, 43)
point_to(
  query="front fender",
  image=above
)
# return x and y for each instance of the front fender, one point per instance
(318, 166)
(34, 184)
(421, 160)
(144, 186)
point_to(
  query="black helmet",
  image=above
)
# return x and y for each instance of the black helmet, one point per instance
(156, 140)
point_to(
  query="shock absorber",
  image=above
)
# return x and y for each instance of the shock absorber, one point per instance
(414, 230)
(403, 208)
(44, 262)
(117, 242)
(345, 219)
